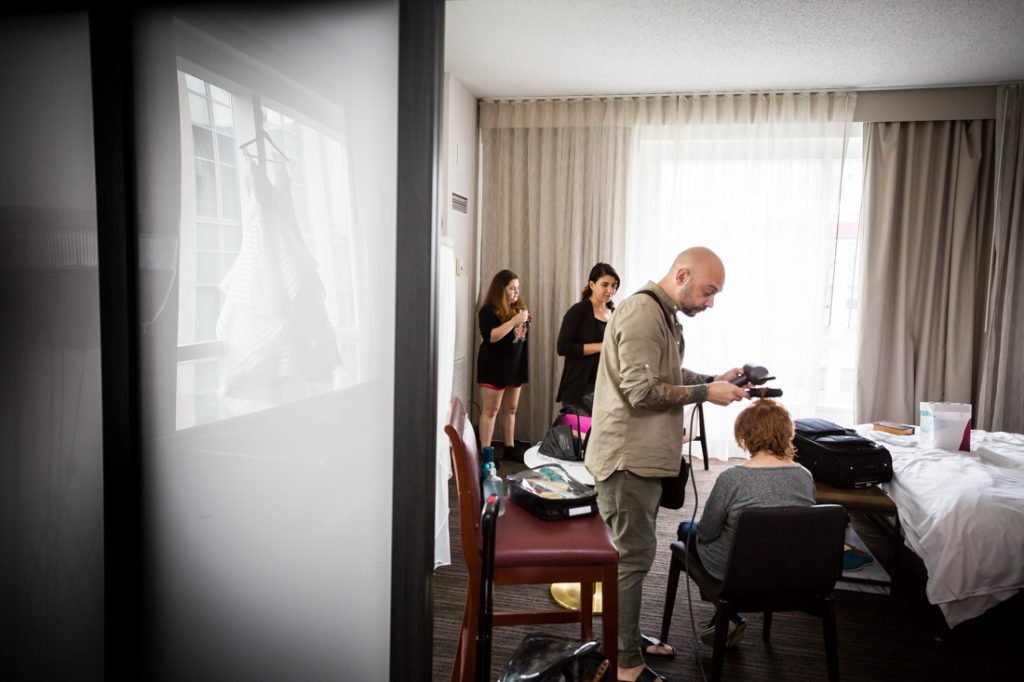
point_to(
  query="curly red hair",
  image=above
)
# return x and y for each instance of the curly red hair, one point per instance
(765, 426)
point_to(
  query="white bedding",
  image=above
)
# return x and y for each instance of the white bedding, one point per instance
(963, 514)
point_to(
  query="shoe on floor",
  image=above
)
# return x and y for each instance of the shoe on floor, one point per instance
(736, 630)
(854, 559)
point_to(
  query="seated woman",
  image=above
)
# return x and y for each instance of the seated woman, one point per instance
(581, 334)
(770, 478)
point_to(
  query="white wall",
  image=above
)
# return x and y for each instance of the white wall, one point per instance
(460, 149)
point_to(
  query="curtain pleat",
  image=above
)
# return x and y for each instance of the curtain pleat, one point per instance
(1001, 377)
(925, 190)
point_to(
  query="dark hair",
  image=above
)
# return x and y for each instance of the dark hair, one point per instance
(496, 299)
(597, 272)
(765, 426)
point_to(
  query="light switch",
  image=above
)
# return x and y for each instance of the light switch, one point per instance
(458, 266)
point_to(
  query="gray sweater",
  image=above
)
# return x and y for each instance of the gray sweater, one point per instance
(741, 487)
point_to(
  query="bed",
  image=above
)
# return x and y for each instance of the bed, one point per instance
(963, 514)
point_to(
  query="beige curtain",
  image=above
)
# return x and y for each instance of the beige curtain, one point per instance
(925, 218)
(554, 185)
(1000, 395)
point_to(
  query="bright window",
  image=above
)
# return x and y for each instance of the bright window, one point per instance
(268, 307)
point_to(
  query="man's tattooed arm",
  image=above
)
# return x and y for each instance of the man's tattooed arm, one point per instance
(691, 378)
(668, 395)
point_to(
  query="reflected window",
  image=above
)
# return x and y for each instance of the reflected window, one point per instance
(268, 309)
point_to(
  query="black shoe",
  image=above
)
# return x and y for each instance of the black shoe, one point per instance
(512, 453)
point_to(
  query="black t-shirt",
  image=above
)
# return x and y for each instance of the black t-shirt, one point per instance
(579, 327)
(506, 361)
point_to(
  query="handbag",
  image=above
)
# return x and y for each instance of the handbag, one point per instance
(550, 658)
(562, 441)
(673, 488)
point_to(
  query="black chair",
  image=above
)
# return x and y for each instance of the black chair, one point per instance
(782, 559)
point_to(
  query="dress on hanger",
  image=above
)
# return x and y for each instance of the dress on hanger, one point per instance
(273, 325)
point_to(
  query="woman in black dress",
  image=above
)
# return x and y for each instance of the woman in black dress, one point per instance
(502, 363)
(581, 334)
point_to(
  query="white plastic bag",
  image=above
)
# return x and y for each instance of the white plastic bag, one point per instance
(946, 426)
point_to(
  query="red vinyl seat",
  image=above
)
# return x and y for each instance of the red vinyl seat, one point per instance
(529, 551)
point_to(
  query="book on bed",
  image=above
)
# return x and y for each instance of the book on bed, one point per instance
(894, 428)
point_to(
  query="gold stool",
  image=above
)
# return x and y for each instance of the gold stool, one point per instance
(567, 595)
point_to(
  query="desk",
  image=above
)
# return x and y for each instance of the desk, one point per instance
(872, 502)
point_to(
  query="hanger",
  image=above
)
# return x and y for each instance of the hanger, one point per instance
(260, 155)
(261, 137)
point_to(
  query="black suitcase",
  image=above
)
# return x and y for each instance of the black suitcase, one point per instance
(838, 456)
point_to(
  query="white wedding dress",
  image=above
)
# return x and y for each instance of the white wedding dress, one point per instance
(273, 326)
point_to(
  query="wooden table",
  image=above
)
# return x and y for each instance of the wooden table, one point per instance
(873, 503)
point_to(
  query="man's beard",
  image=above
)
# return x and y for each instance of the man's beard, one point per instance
(691, 310)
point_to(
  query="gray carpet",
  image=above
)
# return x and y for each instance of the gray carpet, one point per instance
(881, 637)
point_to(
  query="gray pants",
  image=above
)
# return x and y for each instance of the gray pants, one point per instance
(629, 506)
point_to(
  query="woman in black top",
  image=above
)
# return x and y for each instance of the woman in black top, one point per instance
(581, 334)
(502, 363)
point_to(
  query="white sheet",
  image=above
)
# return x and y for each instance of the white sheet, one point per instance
(963, 514)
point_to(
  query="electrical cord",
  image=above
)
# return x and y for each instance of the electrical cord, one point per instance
(686, 565)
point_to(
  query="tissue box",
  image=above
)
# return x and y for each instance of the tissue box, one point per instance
(945, 426)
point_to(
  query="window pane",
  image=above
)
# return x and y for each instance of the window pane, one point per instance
(222, 118)
(207, 269)
(202, 142)
(232, 238)
(194, 84)
(207, 311)
(226, 147)
(219, 95)
(229, 191)
(226, 261)
(207, 376)
(206, 236)
(206, 189)
(273, 118)
(197, 109)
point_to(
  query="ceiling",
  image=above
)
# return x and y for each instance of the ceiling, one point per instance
(520, 48)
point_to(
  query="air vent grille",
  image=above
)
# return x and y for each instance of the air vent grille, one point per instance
(460, 203)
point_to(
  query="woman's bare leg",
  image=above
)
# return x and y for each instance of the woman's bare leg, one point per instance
(509, 404)
(488, 413)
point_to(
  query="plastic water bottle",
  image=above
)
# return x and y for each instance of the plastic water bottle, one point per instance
(493, 485)
(486, 460)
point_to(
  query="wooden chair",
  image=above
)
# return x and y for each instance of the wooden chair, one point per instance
(529, 551)
(782, 559)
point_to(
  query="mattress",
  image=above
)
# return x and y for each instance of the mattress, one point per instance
(963, 514)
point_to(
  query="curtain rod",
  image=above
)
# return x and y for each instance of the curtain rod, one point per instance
(579, 98)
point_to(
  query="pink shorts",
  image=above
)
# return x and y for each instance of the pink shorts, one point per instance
(500, 388)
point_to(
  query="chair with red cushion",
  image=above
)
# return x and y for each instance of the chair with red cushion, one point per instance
(529, 551)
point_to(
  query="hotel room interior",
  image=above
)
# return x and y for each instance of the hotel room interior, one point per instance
(243, 247)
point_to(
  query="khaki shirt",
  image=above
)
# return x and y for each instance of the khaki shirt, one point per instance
(639, 351)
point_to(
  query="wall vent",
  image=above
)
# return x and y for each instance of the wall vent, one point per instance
(460, 203)
(459, 381)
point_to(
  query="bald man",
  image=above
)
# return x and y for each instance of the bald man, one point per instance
(637, 431)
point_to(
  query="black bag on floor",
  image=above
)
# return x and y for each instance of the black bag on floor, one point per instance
(839, 456)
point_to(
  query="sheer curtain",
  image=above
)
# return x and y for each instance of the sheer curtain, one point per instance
(553, 201)
(758, 178)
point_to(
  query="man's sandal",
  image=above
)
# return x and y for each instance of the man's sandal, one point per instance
(649, 641)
